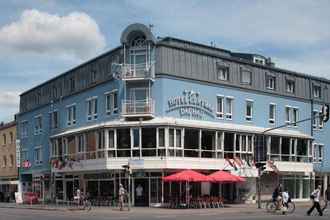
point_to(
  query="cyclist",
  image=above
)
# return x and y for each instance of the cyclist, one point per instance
(277, 196)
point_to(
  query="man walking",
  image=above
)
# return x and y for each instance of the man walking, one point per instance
(121, 193)
(315, 196)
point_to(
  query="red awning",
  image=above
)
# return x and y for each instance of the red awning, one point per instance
(225, 177)
(187, 176)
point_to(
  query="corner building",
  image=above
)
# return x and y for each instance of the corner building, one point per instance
(162, 105)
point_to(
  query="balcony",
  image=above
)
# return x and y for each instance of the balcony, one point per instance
(138, 71)
(138, 108)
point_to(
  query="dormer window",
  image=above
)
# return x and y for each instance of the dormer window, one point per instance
(222, 72)
(270, 82)
(290, 86)
(259, 60)
(316, 91)
(246, 76)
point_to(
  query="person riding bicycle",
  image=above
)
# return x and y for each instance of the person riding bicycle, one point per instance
(277, 196)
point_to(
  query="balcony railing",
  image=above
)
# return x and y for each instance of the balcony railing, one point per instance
(138, 71)
(133, 107)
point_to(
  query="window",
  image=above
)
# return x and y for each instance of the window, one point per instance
(220, 106)
(259, 60)
(318, 152)
(178, 142)
(11, 135)
(93, 76)
(112, 102)
(270, 82)
(272, 113)
(291, 115)
(38, 125)
(321, 122)
(249, 110)
(4, 161)
(315, 119)
(223, 73)
(290, 86)
(24, 129)
(72, 84)
(246, 76)
(317, 91)
(81, 143)
(111, 139)
(136, 137)
(71, 115)
(38, 155)
(92, 108)
(229, 108)
(24, 155)
(161, 137)
(171, 137)
(4, 139)
(54, 120)
(11, 160)
(295, 116)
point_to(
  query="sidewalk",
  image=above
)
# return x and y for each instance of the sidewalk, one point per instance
(230, 208)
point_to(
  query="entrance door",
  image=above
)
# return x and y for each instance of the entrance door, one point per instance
(69, 190)
(141, 192)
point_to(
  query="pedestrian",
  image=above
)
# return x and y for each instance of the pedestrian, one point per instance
(315, 196)
(327, 198)
(122, 193)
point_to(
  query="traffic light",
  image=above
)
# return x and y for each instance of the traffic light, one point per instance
(325, 113)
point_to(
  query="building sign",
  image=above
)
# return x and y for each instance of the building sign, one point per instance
(190, 104)
(18, 153)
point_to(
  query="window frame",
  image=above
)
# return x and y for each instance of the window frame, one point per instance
(244, 71)
(249, 103)
(229, 114)
(268, 78)
(290, 89)
(272, 120)
(38, 149)
(92, 108)
(70, 113)
(111, 98)
(220, 114)
(38, 124)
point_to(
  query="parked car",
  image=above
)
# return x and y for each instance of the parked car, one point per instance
(30, 198)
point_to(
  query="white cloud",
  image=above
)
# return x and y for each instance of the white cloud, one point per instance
(75, 35)
(9, 99)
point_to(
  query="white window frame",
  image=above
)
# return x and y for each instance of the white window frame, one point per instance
(270, 82)
(222, 73)
(290, 86)
(220, 112)
(229, 114)
(158, 138)
(113, 109)
(320, 152)
(244, 72)
(39, 161)
(249, 103)
(295, 117)
(288, 115)
(70, 119)
(272, 120)
(92, 104)
(132, 137)
(317, 91)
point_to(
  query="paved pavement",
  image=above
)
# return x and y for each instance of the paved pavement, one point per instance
(232, 213)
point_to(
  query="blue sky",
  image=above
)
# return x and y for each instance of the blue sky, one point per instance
(40, 39)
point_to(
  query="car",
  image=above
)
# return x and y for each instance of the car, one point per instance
(30, 198)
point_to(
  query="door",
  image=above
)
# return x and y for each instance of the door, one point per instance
(139, 99)
(141, 192)
(138, 60)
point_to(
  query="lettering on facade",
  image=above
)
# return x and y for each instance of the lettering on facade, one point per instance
(190, 104)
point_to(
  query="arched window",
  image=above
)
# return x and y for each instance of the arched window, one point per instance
(11, 137)
(4, 162)
(139, 42)
(4, 139)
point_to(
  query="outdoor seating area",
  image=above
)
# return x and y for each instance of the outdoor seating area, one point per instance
(204, 201)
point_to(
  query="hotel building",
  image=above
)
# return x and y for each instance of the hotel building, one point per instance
(166, 104)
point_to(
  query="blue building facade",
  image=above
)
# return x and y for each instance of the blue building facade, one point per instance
(166, 105)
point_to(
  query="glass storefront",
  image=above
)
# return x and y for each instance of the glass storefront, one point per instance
(299, 187)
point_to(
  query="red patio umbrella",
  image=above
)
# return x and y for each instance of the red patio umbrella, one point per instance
(187, 176)
(225, 177)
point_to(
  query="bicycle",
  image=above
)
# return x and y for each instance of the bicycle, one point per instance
(272, 207)
(83, 204)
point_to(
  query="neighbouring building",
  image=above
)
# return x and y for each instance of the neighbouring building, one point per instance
(8, 168)
(166, 104)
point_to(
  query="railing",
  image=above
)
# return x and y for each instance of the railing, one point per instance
(132, 107)
(143, 70)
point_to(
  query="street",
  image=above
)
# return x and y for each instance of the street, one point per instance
(147, 213)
